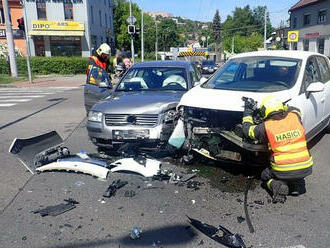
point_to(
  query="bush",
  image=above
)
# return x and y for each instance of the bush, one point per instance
(48, 65)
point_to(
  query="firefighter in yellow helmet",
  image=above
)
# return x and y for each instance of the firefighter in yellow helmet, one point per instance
(290, 160)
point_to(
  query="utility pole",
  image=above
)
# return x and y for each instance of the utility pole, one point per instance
(10, 40)
(156, 44)
(132, 41)
(265, 28)
(27, 43)
(233, 45)
(142, 37)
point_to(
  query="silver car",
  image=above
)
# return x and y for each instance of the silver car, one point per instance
(142, 107)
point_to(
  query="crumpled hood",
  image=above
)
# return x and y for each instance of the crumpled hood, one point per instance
(224, 99)
(142, 102)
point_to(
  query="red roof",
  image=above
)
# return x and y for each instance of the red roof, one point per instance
(303, 3)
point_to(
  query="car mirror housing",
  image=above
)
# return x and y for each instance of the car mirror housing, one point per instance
(315, 87)
(202, 80)
(105, 85)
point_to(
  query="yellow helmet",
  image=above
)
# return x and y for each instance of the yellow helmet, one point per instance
(270, 105)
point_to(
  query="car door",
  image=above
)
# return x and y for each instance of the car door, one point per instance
(93, 92)
(310, 103)
(324, 67)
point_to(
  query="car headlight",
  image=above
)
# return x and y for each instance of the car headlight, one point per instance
(170, 116)
(95, 116)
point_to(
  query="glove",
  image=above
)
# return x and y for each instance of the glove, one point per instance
(250, 104)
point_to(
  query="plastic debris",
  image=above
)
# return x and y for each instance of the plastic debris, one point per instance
(135, 233)
(194, 185)
(193, 201)
(113, 187)
(240, 219)
(259, 202)
(129, 193)
(57, 209)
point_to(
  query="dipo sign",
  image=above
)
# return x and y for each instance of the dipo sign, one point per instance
(40, 26)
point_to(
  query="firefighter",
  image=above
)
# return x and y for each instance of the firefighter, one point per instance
(97, 69)
(282, 129)
(101, 58)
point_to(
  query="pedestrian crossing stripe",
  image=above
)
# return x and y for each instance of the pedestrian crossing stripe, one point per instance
(192, 54)
(7, 104)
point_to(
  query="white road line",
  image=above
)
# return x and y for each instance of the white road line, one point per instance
(24, 93)
(15, 100)
(33, 96)
(7, 104)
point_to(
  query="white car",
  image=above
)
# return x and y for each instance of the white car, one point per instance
(212, 112)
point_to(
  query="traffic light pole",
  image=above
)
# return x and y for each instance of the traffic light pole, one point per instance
(10, 40)
(132, 40)
(27, 43)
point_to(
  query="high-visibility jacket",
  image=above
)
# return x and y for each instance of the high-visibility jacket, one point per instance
(95, 61)
(96, 72)
(287, 142)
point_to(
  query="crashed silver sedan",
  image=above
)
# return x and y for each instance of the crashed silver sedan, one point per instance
(142, 107)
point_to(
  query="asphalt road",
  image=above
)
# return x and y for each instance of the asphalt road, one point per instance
(158, 208)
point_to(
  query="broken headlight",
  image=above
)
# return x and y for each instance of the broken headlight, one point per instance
(170, 116)
(95, 116)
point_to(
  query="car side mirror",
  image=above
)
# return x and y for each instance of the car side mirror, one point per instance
(202, 80)
(314, 87)
(105, 85)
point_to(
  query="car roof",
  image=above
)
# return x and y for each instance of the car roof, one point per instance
(163, 63)
(295, 54)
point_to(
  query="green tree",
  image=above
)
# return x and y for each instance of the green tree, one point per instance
(216, 29)
(168, 34)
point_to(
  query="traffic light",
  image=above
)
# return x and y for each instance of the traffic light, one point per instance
(20, 25)
(131, 29)
(136, 34)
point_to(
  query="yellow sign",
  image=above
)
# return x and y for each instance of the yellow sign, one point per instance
(58, 25)
(293, 36)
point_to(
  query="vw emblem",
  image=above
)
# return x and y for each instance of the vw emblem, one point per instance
(131, 119)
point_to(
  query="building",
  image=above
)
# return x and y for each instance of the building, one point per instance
(312, 19)
(162, 14)
(16, 12)
(69, 27)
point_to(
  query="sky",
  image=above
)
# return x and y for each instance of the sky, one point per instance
(204, 10)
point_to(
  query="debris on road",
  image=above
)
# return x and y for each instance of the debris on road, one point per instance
(240, 219)
(144, 166)
(129, 193)
(194, 185)
(57, 209)
(228, 238)
(113, 187)
(135, 233)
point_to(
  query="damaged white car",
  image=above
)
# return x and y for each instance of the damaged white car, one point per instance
(212, 112)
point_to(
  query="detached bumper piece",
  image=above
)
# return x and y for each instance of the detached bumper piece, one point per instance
(57, 209)
(227, 239)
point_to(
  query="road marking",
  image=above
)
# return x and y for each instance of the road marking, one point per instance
(7, 104)
(25, 93)
(33, 96)
(15, 100)
(295, 246)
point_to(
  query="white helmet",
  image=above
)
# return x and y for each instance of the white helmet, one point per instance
(103, 48)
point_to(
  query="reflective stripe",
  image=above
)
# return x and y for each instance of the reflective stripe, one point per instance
(290, 156)
(251, 132)
(290, 147)
(296, 112)
(248, 119)
(290, 167)
(269, 183)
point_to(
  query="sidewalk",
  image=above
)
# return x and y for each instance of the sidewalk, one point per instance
(52, 81)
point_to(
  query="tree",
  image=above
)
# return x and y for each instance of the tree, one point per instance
(216, 28)
(168, 34)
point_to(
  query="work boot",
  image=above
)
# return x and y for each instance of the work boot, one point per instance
(279, 189)
(297, 187)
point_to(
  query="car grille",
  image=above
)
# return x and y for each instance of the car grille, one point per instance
(149, 120)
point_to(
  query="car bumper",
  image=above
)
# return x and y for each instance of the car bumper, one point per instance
(107, 136)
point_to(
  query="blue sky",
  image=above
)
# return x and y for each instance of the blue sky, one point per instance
(204, 10)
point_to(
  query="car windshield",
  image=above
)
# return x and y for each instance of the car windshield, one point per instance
(258, 74)
(154, 79)
(208, 62)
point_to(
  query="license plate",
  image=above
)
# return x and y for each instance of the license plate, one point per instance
(130, 134)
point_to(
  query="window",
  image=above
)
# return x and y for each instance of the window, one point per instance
(320, 47)
(294, 46)
(68, 11)
(41, 10)
(311, 73)
(306, 45)
(294, 22)
(307, 19)
(92, 14)
(324, 69)
(2, 17)
(322, 18)
(65, 46)
(100, 18)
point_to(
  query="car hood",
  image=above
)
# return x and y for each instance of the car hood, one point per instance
(142, 102)
(225, 99)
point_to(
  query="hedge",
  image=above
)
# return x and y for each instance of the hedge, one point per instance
(48, 65)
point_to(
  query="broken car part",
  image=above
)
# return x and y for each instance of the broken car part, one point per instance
(147, 167)
(247, 216)
(135, 233)
(57, 209)
(227, 238)
(194, 185)
(26, 149)
(129, 193)
(113, 187)
(50, 155)
(76, 165)
(178, 137)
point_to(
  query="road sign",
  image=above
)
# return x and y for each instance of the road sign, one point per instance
(293, 36)
(131, 20)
